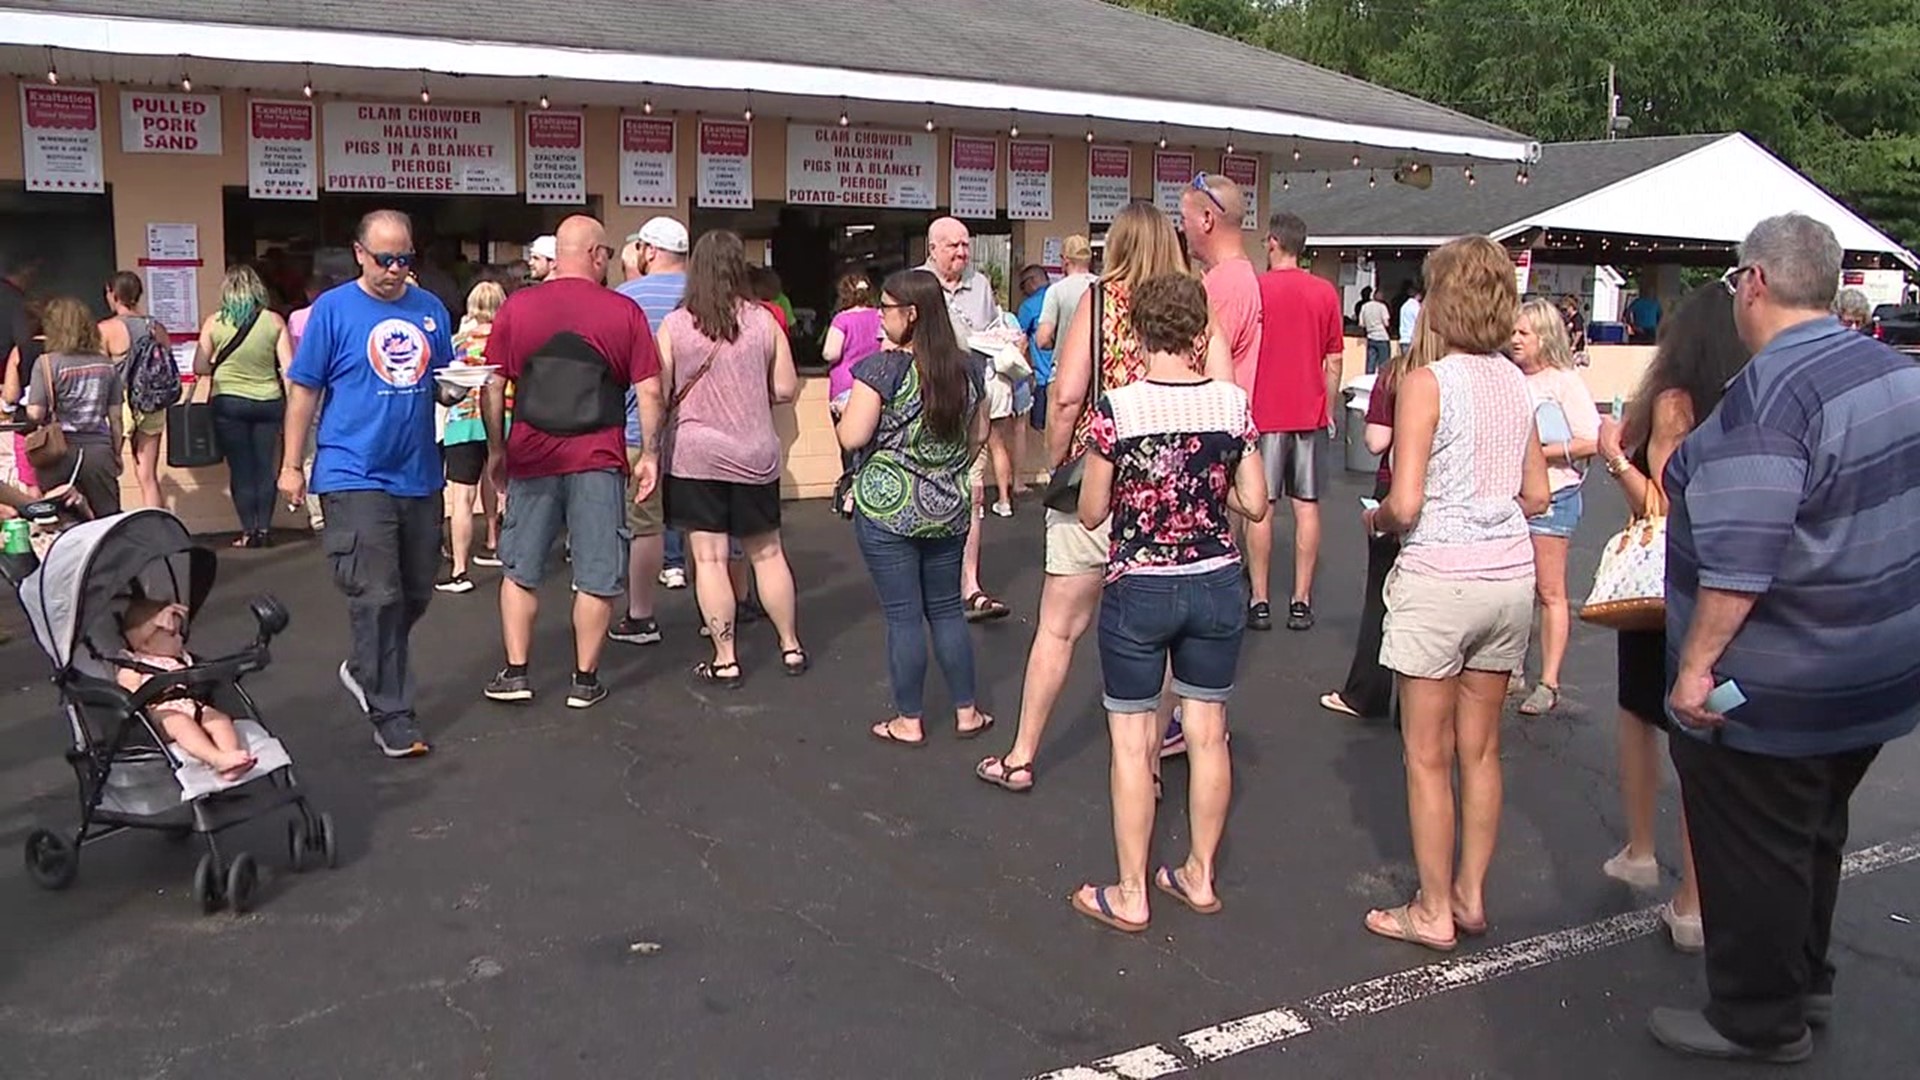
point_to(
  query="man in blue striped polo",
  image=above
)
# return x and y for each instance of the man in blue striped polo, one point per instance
(1793, 605)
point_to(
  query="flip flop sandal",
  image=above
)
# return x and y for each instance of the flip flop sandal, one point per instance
(1006, 779)
(1166, 882)
(884, 732)
(986, 722)
(1468, 929)
(1104, 914)
(984, 608)
(707, 671)
(1542, 701)
(795, 668)
(1403, 930)
(1333, 702)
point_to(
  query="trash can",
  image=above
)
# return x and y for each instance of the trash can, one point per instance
(1359, 458)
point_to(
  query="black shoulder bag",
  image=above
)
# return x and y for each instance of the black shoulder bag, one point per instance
(191, 441)
(1063, 487)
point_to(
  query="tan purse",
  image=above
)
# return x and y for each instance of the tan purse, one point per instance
(47, 444)
(1630, 585)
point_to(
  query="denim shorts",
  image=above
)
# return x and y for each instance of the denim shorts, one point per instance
(1196, 620)
(1562, 516)
(590, 506)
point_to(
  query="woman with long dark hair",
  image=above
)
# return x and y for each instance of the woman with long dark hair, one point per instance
(1698, 354)
(726, 364)
(914, 421)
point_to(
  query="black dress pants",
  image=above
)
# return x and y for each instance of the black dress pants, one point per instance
(1767, 838)
(1369, 687)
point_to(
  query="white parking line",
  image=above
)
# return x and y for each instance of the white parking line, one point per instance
(1264, 1029)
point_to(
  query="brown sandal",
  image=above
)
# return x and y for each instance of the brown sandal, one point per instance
(1008, 774)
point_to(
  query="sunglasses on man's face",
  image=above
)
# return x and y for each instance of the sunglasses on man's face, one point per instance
(1731, 279)
(387, 260)
(1200, 185)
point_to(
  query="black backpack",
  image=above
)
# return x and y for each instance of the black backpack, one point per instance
(153, 381)
(567, 388)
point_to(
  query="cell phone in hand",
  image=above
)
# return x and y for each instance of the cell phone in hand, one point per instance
(1725, 698)
(1369, 504)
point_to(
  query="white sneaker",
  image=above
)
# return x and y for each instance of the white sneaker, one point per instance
(1639, 873)
(673, 578)
(1689, 933)
(1003, 509)
(353, 686)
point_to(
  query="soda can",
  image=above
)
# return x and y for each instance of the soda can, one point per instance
(16, 536)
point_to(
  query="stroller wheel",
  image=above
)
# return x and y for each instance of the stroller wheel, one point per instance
(329, 847)
(241, 879)
(206, 885)
(299, 844)
(52, 861)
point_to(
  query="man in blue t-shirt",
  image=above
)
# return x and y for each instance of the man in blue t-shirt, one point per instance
(657, 556)
(367, 361)
(1035, 283)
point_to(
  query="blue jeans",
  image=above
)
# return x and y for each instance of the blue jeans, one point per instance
(1194, 620)
(1379, 353)
(249, 434)
(919, 578)
(676, 550)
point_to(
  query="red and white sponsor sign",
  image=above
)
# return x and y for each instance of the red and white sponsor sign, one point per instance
(1029, 181)
(157, 123)
(281, 151)
(649, 163)
(420, 149)
(1109, 182)
(60, 137)
(556, 157)
(975, 189)
(1244, 169)
(1172, 174)
(726, 165)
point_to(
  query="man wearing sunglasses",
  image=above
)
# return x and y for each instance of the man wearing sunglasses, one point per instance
(366, 361)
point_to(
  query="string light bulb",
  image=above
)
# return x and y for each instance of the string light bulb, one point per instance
(1329, 184)
(646, 107)
(306, 88)
(1373, 180)
(1163, 139)
(1286, 182)
(1356, 161)
(931, 125)
(545, 103)
(426, 95)
(53, 73)
(1296, 153)
(844, 118)
(1089, 136)
(1229, 140)
(186, 80)
(1013, 125)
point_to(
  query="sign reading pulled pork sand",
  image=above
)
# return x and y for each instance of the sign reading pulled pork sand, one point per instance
(427, 149)
(847, 166)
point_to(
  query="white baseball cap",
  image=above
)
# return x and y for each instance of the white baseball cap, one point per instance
(663, 233)
(544, 247)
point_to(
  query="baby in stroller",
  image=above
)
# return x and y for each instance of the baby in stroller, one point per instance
(156, 644)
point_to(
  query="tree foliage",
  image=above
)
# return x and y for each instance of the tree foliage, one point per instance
(1832, 86)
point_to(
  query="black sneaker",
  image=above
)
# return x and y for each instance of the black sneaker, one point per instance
(1260, 616)
(635, 631)
(456, 583)
(1299, 615)
(486, 557)
(507, 686)
(585, 695)
(399, 737)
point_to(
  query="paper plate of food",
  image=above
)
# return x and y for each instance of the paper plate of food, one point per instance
(468, 376)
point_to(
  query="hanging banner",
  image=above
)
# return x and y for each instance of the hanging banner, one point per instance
(1523, 269)
(1029, 181)
(846, 166)
(726, 165)
(1109, 182)
(976, 177)
(1172, 174)
(156, 123)
(556, 157)
(649, 168)
(440, 149)
(280, 150)
(1244, 169)
(60, 137)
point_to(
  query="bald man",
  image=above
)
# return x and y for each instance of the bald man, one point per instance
(573, 348)
(368, 354)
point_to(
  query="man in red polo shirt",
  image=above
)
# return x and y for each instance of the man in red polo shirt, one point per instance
(1293, 391)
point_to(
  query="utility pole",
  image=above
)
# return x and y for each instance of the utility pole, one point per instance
(1616, 123)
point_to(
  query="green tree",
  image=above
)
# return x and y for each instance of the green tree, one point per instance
(1832, 86)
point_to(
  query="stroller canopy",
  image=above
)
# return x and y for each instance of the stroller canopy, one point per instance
(90, 570)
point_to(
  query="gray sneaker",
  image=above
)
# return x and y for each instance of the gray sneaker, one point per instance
(399, 737)
(582, 695)
(353, 686)
(508, 687)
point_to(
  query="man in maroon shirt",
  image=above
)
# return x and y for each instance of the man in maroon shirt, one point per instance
(571, 347)
(1294, 387)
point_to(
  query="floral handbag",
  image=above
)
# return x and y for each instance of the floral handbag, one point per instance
(1630, 586)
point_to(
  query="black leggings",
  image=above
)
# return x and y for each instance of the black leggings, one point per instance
(249, 435)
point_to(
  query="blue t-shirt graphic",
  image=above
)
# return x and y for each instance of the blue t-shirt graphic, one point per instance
(373, 361)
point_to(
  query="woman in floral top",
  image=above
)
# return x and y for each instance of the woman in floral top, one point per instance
(913, 420)
(1171, 457)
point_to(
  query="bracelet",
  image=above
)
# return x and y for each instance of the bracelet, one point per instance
(1616, 466)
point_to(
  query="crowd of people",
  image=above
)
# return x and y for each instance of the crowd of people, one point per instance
(1183, 396)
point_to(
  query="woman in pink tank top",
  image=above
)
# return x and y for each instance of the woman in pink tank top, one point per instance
(727, 363)
(1467, 473)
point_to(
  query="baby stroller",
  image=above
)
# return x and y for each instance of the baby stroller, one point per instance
(129, 776)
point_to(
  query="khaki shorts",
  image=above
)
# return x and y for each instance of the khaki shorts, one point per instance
(1437, 627)
(147, 423)
(645, 518)
(1072, 549)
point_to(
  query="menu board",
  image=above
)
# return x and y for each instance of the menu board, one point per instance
(420, 149)
(829, 165)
